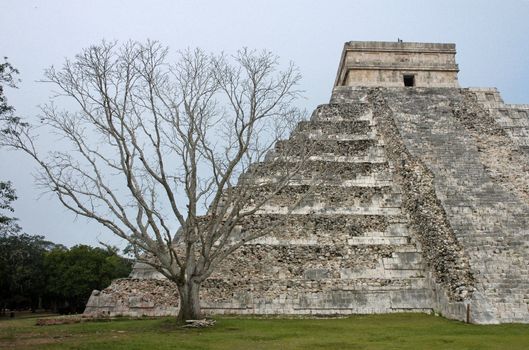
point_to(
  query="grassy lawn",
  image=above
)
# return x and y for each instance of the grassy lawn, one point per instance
(396, 331)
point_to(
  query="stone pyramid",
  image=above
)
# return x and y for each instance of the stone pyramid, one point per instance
(424, 205)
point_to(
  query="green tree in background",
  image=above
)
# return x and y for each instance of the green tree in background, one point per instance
(35, 273)
(8, 78)
(73, 273)
(8, 224)
(22, 273)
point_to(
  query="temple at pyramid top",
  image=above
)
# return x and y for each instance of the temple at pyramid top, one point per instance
(397, 64)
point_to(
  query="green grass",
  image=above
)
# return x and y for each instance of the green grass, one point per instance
(395, 331)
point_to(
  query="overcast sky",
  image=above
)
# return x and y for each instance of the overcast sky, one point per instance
(492, 39)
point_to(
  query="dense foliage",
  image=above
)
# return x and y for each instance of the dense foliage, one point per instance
(72, 274)
(8, 224)
(22, 277)
(35, 273)
(8, 78)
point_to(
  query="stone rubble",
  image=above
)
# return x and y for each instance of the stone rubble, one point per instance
(205, 323)
(135, 298)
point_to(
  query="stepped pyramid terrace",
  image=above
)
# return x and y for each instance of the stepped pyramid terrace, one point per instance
(423, 206)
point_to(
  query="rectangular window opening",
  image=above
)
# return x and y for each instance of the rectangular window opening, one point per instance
(409, 80)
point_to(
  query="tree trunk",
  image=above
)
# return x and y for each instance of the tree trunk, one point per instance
(189, 302)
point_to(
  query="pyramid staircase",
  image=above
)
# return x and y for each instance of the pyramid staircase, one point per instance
(489, 218)
(345, 248)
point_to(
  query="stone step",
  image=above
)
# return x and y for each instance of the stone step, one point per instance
(397, 229)
(305, 225)
(386, 240)
(300, 147)
(278, 238)
(326, 302)
(318, 135)
(409, 248)
(507, 281)
(327, 196)
(401, 260)
(325, 127)
(392, 230)
(273, 240)
(502, 281)
(316, 279)
(380, 272)
(514, 296)
(374, 155)
(329, 210)
(325, 170)
(373, 180)
(342, 111)
(309, 233)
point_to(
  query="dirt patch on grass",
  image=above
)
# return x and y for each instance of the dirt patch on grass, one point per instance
(58, 320)
(24, 342)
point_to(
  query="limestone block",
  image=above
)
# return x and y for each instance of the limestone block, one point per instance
(403, 261)
(316, 274)
(411, 299)
(377, 240)
(140, 302)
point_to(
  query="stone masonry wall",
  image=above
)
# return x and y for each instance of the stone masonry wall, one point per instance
(385, 63)
(502, 141)
(134, 297)
(490, 220)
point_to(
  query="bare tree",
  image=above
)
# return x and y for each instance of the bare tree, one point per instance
(156, 150)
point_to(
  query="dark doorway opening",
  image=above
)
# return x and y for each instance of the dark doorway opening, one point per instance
(409, 80)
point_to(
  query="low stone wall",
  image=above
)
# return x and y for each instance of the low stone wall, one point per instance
(134, 297)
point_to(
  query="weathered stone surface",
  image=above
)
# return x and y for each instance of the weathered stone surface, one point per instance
(485, 207)
(421, 204)
(375, 63)
(134, 297)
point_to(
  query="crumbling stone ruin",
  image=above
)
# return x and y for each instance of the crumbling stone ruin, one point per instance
(424, 205)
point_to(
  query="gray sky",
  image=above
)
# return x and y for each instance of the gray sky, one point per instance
(492, 39)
